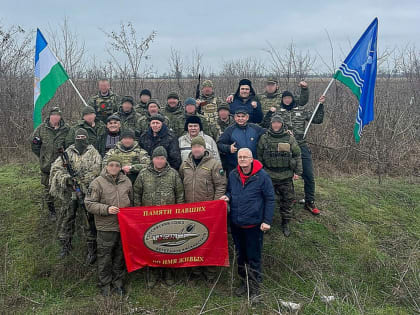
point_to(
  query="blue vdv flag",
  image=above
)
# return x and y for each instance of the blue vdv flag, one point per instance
(358, 73)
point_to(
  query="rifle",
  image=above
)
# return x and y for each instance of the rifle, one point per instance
(197, 89)
(80, 196)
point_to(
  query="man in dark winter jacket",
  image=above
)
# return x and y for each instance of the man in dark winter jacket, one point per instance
(159, 134)
(240, 135)
(245, 97)
(250, 194)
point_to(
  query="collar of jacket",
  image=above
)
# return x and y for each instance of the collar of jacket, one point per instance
(174, 109)
(120, 178)
(278, 134)
(88, 148)
(156, 172)
(124, 149)
(163, 131)
(207, 97)
(272, 95)
(110, 93)
(205, 158)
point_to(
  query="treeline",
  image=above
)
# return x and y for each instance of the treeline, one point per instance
(390, 145)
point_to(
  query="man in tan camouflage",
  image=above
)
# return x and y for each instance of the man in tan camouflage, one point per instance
(108, 193)
(204, 180)
(86, 163)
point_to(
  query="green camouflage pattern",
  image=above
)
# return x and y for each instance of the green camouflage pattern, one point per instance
(154, 188)
(104, 105)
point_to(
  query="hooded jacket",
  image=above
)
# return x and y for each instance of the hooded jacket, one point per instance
(251, 198)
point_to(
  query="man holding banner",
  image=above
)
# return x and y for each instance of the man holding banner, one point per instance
(106, 194)
(204, 180)
(158, 184)
(250, 194)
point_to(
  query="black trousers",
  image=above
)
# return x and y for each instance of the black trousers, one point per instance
(248, 244)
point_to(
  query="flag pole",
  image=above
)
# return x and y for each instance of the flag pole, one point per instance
(71, 82)
(316, 108)
(77, 91)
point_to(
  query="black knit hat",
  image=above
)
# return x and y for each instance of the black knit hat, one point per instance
(152, 101)
(287, 93)
(145, 92)
(193, 120)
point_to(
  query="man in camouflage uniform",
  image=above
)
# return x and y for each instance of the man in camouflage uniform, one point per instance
(128, 115)
(295, 118)
(279, 152)
(94, 128)
(86, 163)
(105, 102)
(107, 194)
(132, 156)
(109, 139)
(145, 96)
(175, 112)
(204, 180)
(224, 119)
(208, 102)
(47, 139)
(157, 185)
(272, 97)
(152, 108)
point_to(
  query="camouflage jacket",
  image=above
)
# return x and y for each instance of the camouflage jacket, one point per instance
(280, 154)
(176, 119)
(50, 141)
(185, 145)
(209, 107)
(86, 166)
(274, 100)
(134, 156)
(203, 182)
(295, 120)
(106, 191)
(128, 120)
(94, 133)
(223, 125)
(104, 105)
(154, 188)
(141, 108)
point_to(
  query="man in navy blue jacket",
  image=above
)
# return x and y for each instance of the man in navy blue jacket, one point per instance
(245, 98)
(250, 194)
(240, 135)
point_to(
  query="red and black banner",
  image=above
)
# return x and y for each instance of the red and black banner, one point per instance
(175, 236)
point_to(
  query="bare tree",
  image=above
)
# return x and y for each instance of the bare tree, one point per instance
(127, 43)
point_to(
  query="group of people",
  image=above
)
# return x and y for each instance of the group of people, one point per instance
(246, 150)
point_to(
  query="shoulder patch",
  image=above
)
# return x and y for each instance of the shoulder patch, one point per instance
(221, 172)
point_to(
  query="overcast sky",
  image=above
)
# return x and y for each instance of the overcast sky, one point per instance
(225, 30)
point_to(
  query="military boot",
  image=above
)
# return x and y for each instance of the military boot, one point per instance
(153, 275)
(52, 216)
(91, 252)
(285, 227)
(242, 289)
(169, 276)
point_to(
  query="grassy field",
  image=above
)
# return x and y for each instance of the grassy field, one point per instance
(363, 250)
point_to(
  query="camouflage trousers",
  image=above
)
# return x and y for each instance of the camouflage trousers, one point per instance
(45, 181)
(285, 193)
(111, 264)
(67, 223)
